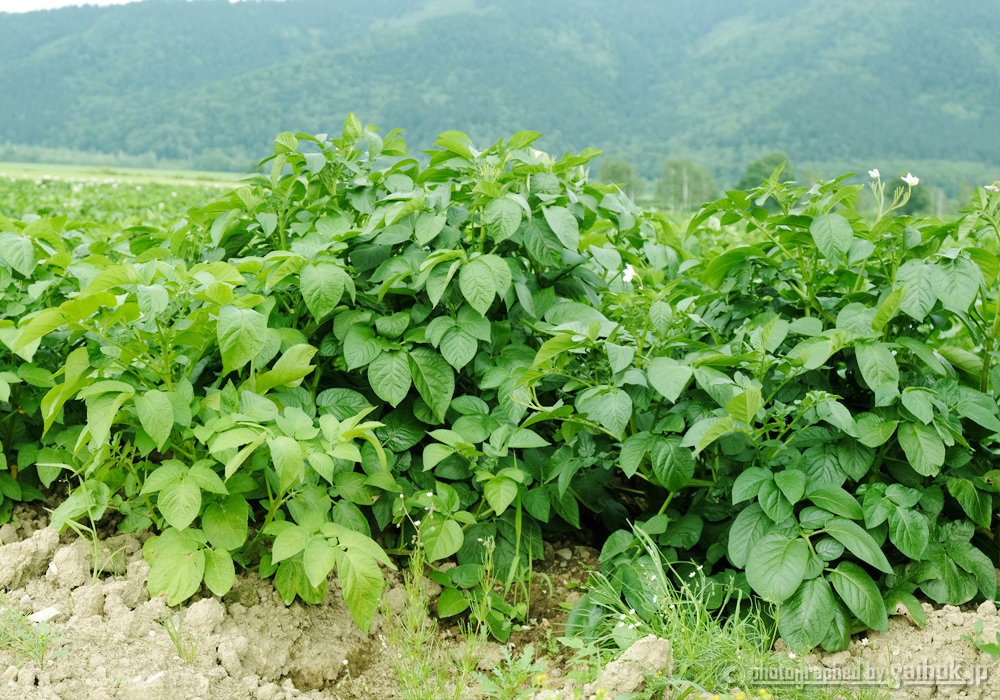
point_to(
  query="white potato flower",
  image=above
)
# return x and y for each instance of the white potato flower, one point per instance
(910, 180)
(873, 174)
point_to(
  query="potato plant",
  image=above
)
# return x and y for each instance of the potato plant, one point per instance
(358, 349)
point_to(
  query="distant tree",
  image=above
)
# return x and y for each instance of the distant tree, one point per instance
(623, 173)
(761, 169)
(685, 185)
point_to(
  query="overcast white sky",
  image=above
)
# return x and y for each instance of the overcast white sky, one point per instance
(29, 5)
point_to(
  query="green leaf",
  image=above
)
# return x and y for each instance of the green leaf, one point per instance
(322, 286)
(777, 565)
(878, 367)
(478, 285)
(833, 236)
(101, 413)
(153, 301)
(18, 252)
(503, 217)
(978, 505)
(241, 334)
(888, 309)
(290, 541)
(319, 559)
(441, 537)
(451, 602)
(362, 583)
(564, 225)
(286, 455)
(156, 415)
(389, 376)
(918, 402)
(669, 377)
(750, 525)
(836, 500)
(433, 378)
(673, 464)
(923, 447)
(607, 406)
(873, 430)
(956, 282)
(176, 574)
(805, 618)
(859, 542)
(226, 523)
(220, 572)
(744, 406)
(792, 483)
(919, 298)
(973, 560)
(619, 356)
(179, 502)
(633, 450)
(774, 502)
(748, 483)
(458, 347)
(500, 492)
(909, 531)
(861, 595)
(360, 346)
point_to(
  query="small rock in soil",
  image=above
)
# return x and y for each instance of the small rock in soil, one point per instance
(651, 654)
(204, 616)
(565, 553)
(70, 566)
(22, 561)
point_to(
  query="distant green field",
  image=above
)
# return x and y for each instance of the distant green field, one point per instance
(65, 172)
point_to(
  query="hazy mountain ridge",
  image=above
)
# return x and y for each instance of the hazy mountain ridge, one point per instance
(643, 79)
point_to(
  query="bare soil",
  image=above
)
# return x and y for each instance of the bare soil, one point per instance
(250, 646)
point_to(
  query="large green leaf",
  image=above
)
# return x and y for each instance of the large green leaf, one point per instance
(833, 236)
(433, 378)
(805, 618)
(322, 286)
(564, 225)
(362, 583)
(389, 376)
(878, 367)
(920, 297)
(478, 285)
(607, 406)
(859, 542)
(503, 217)
(748, 527)
(744, 406)
(777, 565)
(956, 282)
(226, 523)
(156, 415)
(978, 505)
(669, 377)
(923, 447)
(241, 334)
(861, 595)
(909, 531)
(179, 502)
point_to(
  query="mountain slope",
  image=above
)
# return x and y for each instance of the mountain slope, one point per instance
(642, 79)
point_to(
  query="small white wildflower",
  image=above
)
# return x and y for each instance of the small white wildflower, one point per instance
(910, 180)
(620, 624)
(992, 188)
(429, 494)
(401, 496)
(691, 575)
(895, 652)
(631, 611)
(654, 598)
(791, 654)
(621, 617)
(416, 523)
(700, 567)
(873, 174)
(864, 641)
(629, 274)
(345, 662)
(672, 606)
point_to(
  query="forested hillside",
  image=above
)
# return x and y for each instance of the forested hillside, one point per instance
(721, 83)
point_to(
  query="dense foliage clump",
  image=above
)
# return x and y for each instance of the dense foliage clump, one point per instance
(359, 350)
